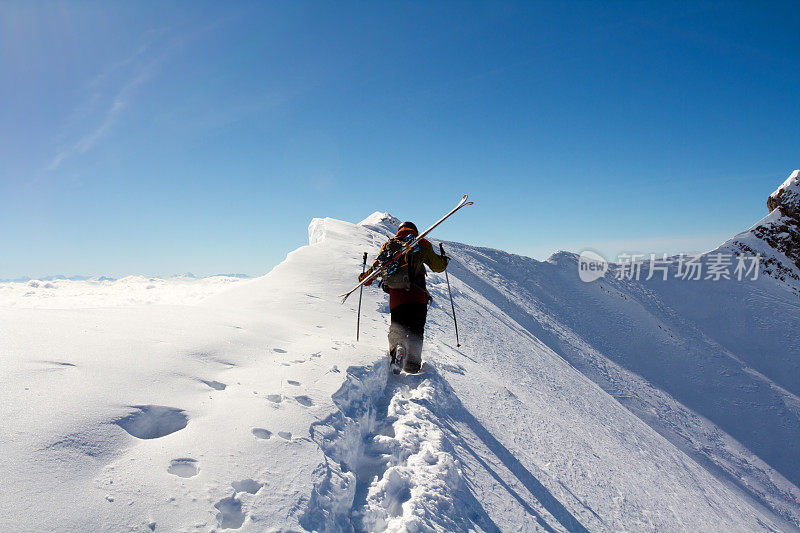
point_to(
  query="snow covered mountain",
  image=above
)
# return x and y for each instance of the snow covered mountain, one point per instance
(619, 404)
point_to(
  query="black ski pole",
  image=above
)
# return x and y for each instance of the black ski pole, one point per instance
(358, 322)
(452, 305)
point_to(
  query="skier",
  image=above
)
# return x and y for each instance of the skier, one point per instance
(408, 297)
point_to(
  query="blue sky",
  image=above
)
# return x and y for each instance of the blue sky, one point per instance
(164, 137)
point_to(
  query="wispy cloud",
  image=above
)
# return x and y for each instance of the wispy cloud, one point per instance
(107, 103)
(111, 92)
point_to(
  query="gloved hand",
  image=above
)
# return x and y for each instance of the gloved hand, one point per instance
(362, 276)
(408, 240)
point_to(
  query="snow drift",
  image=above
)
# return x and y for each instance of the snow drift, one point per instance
(571, 406)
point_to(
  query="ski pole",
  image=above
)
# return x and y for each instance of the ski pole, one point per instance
(358, 322)
(452, 305)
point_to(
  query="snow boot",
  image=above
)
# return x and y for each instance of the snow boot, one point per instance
(412, 363)
(397, 359)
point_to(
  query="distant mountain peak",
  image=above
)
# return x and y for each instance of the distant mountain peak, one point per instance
(381, 221)
(384, 223)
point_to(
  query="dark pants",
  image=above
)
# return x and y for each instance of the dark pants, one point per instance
(408, 329)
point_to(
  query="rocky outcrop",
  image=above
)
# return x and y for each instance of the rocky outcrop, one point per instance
(781, 229)
(787, 197)
(776, 237)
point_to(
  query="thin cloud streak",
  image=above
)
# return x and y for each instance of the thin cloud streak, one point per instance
(124, 96)
(119, 103)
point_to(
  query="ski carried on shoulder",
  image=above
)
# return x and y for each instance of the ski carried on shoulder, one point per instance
(381, 270)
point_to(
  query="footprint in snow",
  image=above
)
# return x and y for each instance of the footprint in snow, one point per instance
(304, 400)
(279, 350)
(285, 435)
(293, 382)
(184, 467)
(275, 398)
(216, 385)
(153, 421)
(262, 433)
(247, 485)
(230, 515)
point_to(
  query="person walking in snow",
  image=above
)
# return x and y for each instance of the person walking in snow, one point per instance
(408, 296)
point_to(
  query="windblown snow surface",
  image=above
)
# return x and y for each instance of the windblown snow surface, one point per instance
(570, 406)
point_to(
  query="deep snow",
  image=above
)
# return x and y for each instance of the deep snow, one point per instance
(613, 405)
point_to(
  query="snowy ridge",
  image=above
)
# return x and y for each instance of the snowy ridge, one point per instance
(570, 406)
(546, 509)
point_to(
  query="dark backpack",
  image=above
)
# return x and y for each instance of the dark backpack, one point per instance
(398, 272)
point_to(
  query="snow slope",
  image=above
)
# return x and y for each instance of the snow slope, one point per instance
(570, 406)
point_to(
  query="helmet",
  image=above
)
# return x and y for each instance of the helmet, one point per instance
(409, 225)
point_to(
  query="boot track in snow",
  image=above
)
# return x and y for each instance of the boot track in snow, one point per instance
(398, 459)
(388, 463)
